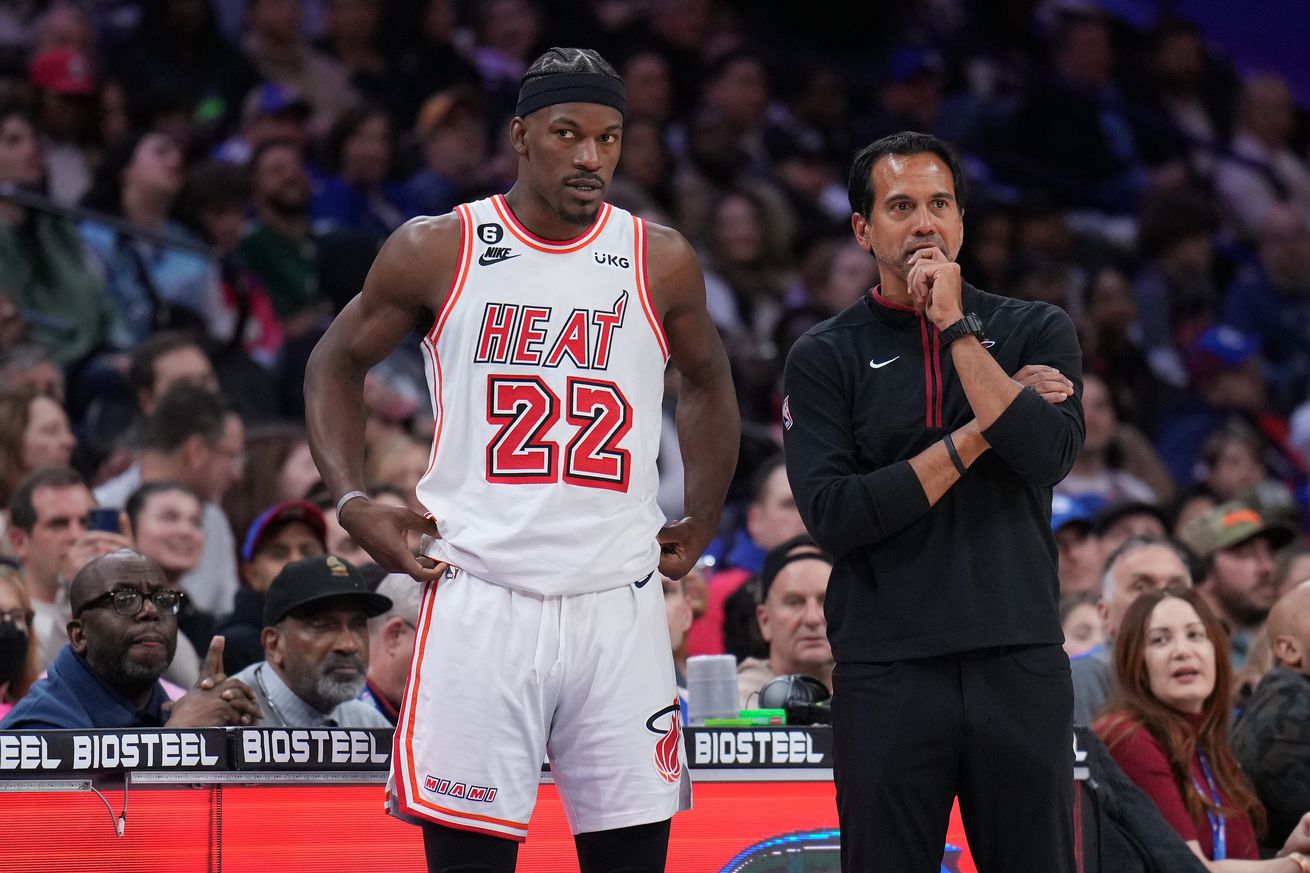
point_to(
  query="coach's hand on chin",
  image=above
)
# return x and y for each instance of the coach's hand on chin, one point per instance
(381, 530)
(681, 543)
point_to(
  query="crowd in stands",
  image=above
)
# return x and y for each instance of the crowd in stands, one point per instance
(191, 189)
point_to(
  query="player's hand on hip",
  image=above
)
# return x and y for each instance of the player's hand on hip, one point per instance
(1049, 383)
(381, 530)
(681, 544)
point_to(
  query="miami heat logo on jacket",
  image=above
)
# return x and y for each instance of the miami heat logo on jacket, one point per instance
(668, 762)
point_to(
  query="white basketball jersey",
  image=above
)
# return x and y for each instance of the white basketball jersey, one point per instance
(546, 365)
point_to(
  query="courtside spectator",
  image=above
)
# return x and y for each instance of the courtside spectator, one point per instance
(794, 581)
(315, 641)
(677, 610)
(166, 522)
(1138, 565)
(280, 248)
(1167, 727)
(121, 640)
(1072, 522)
(194, 438)
(1272, 738)
(391, 638)
(771, 519)
(166, 359)
(1081, 624)
(34, 434)
(281, 534)
(18, 655)
(48, 530)
(1236, 545)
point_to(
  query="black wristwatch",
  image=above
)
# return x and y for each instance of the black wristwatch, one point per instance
(970, 324)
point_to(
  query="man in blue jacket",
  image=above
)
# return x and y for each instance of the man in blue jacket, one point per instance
(121, 640)
(920, 460)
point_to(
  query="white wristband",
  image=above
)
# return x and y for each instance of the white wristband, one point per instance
(346, 498)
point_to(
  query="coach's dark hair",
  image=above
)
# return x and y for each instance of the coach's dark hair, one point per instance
(136, 504)
(569, 60)
(22, 512)
(905, 143)
(183, 412)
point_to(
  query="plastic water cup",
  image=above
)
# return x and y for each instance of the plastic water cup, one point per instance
(711, 687)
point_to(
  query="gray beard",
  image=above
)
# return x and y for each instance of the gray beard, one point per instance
(329, 693)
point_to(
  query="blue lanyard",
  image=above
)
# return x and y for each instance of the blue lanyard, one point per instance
(1218, 822)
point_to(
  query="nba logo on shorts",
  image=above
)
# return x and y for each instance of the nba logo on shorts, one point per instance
(786, 412)
(668, 763)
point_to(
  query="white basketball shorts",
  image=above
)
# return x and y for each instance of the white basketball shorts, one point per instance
(502, 680)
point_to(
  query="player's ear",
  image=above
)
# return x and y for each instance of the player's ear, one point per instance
(271, 639)
(518, 135)
(860, 226)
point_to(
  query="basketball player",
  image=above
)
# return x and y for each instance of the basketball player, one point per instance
(542, 630)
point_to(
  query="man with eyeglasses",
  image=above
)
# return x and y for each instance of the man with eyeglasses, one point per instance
(121, 639)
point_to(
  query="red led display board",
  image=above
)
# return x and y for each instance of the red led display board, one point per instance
(735, 827)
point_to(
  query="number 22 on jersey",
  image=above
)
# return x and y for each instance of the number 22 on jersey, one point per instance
(525, 409)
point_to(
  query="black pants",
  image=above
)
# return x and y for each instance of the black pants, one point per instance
(994, 727)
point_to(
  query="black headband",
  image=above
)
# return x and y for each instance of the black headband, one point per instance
(542, 91)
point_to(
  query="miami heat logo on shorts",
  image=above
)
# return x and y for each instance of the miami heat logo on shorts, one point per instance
(668, 763)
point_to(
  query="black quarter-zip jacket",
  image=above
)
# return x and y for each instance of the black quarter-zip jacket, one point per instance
(870, 389)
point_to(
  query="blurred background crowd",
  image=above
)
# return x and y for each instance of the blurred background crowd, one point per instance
(190, 189)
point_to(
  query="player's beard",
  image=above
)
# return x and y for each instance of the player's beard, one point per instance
(331, 691)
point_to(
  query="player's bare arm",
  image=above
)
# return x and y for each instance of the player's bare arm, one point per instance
(405, 283)
(709, 425)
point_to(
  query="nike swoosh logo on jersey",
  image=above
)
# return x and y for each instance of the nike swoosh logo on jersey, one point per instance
(495, 255)
(878, 366)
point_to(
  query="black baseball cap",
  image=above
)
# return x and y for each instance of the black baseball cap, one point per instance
(798, 548)
(316, 580)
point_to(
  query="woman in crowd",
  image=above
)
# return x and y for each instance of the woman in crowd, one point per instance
(19, 665)
(166, 521)
(34, 433)
(1167, 727)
